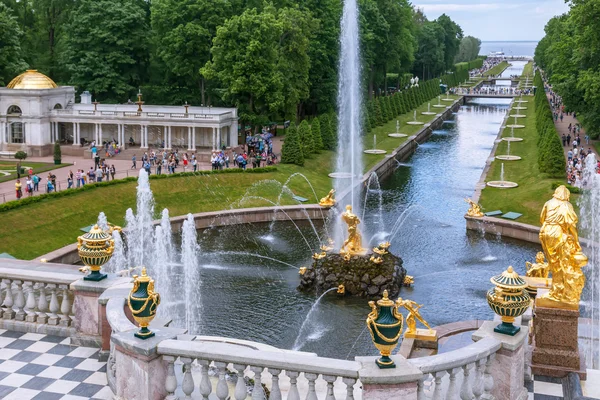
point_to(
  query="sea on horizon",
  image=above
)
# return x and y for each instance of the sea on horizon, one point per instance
(510, 48)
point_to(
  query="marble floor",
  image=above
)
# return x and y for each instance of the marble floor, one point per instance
(44, 367)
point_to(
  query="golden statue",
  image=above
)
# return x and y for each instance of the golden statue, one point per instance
(411, 321)
(318, 256)
(352, 245)
(302, 270)
(539, 269)
(408, 280)
(376, 260)
(341, 289)
(474, 210)
(328, 201)
(560, 242)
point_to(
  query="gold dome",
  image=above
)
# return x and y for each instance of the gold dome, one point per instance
(31, 79)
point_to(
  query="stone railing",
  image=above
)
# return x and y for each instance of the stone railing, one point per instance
(464, 373)
(149, 115)
(36, 299)
(281, 374)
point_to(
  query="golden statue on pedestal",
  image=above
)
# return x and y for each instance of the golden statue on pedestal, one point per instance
(328, 201)
(474, 210)
(539, 269)
(352, 245)
(411, 321)
(560, 242)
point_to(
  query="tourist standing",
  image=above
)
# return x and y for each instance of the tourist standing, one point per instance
(133, 162)
(99, 174)
(112, 171)
(18, 189)
(29, 187)
(36, 183)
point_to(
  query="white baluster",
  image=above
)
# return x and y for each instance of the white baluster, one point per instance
(488, 379)
(187, 385)
(275, 390)
(421, 388)
(466, 393)
(240, 387)
(453, 389)
(478, 381)
(257, 392)
(312, 394)
(20, 302)
(437, 377)
(31, 303)
(171, 380)
(65, 307)
(54, 306)
(330, 379)
(293, 393)
(42, 306)
(349, 387)
(205, 385)
(222, 389)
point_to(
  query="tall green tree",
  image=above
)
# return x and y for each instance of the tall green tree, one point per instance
(11, 54)
(327, 133)
(315, 128)
(430, 56)
(453, 35)
(183, 31)
(468, 49)
(291, 151)
(106, 50)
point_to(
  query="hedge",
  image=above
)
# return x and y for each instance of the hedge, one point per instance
(551, 156)
(11, 205)
(572, 189)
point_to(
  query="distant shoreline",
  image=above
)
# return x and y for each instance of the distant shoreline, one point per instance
(509, 41)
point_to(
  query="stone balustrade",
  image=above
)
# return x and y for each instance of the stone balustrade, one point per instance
(464, 373)
(241, 370)
(36, 299)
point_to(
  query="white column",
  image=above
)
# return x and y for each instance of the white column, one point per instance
(74, 133)
(233, 132)
(165, 129)
(170, 145)
(100, 138)
(189, 143)
(2, 131)
(78, 134)
(194, 138)
(214, 138)
(219, 139)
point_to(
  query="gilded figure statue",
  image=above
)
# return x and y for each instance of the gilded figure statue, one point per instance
(560, 242)
(474, 210)
(411, 320)
(539, 269)
(352, 245)
(328, 201)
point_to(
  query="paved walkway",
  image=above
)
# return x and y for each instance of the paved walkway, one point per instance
(44, 367)
(122, 167)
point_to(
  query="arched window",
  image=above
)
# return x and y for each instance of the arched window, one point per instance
(58, 106)
(14, 110)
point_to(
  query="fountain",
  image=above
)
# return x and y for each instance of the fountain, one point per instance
(375, 150)
(349, 163)
(428, 112)
(512, 137)
(502, 184)
(515, 125)
(439, 104)
(508, 156)
(397, 134)
(414, 121)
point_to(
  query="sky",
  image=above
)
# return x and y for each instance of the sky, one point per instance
(498, 20)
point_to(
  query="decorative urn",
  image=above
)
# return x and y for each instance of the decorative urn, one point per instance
(385, 325)
(95, 249)
(508, 299)
(143, 302)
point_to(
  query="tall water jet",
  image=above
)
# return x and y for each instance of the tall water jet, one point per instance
(102, 221)
(349, 165)
(191, 275)
(161, 268)
(589, 216)
(165, 224)
(118, 261)
(140, 228)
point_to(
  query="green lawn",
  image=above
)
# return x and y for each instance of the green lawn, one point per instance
(38, 168)
(55, 222)
(535, 188)
(498, 69)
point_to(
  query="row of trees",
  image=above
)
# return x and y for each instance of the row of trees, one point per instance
(301, 142)
(570, 56)
(468, 49)
(274, 60)
(551, 156)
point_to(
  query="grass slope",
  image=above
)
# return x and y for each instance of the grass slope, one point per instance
(38, 168)
(498, 69)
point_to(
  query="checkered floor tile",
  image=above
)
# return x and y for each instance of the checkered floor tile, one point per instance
(43, 367)
(545, 388)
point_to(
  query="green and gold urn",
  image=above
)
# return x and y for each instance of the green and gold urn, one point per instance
(508, 299)
(385, 325)
(95, 249)
(143, 302)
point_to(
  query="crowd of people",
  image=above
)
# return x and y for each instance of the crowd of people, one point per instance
(494, 90)
(488, 64)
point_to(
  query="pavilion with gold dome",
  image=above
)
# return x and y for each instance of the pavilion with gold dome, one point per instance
(35, 113)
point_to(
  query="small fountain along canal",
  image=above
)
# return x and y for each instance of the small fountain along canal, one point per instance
(247, 296)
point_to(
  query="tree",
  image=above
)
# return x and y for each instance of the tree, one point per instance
(11, 55)
(327, 133)
(291, 152)
(430, 56)
(453, 35)
(106, 50)
(315, 128)
(468, 49)
(57, 153)
(20, 155)
(306, 139)
(183, 31)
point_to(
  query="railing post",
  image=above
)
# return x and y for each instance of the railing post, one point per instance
(507, 365)
(398, 383)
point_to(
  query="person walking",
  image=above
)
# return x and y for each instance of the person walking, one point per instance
(29, 186)
(18, 189)
(36, 183)
(133, 162)
(112, 171)
(69, 181)
(99, 174)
